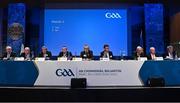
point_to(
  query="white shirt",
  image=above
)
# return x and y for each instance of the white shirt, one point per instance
(153, 56)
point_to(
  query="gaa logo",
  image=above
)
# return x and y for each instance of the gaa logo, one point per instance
(114, 15)
(64, 72)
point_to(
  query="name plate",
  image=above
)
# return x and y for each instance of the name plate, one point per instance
(142, 59)
(62, 59)
(77, 59)
(19, 59)
(104, 59)
(39, 59)
(159, 58)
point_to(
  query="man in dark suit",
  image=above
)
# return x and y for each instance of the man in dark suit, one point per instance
(9, 54)
(152, 55)
(106, 53)
(27, 54)
(170, 53)
(45, 53)
(139, 53)
(65, 53)
(87, 54)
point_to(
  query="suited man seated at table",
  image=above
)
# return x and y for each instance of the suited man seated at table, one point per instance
(106, 53)
(9, 54)
(45, 53)
(139, 53)
(152, 55)
(65, 53)
(86, 54)
(27, 54)
(170, 53)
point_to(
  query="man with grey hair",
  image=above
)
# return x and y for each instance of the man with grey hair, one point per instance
(152, 55)
(86, 54)
(139, 53)
(45, 53)
(170, 53)
(27, 54)
(9, 54)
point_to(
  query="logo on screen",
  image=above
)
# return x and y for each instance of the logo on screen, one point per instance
(113, 15)
(64, 72)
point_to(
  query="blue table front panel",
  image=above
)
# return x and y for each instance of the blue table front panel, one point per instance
(18, 73)
(169, 70)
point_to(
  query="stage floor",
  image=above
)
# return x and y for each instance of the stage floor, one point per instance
(90, 94)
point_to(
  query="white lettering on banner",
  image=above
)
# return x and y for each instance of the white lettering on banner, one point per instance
(113, 15)
(57, 21)
(97, 73)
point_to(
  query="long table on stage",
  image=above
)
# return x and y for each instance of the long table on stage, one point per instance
(97, 73)
(106, 80)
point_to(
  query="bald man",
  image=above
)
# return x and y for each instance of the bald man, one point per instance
(27, 54)
(9, 54)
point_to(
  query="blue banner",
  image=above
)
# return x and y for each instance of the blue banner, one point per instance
(16, 26)
(154, 21)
